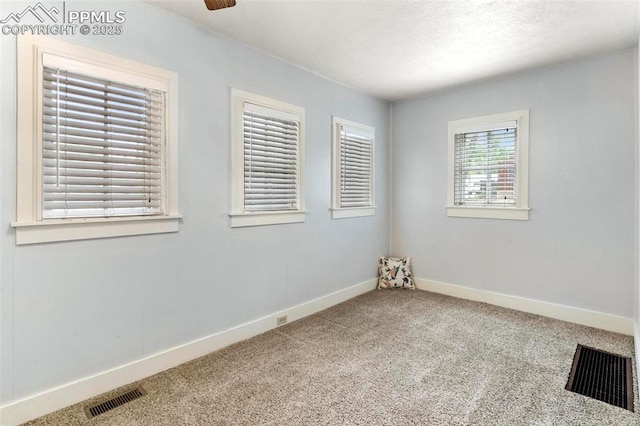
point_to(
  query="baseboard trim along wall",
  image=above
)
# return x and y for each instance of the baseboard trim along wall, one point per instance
(636, 342)
(35, 406)
(551, 310)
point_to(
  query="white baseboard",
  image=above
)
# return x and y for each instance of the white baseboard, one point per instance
(34, 406)
(551, 310)
(636, 342)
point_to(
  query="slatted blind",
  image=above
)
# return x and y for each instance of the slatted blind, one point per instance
(271, 152)
(485, 166)
(102, 147)
(356, 169)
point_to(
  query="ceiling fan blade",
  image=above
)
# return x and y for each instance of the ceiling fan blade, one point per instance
(219, 4)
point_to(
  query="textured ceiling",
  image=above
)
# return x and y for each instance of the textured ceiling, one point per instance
(395, 49)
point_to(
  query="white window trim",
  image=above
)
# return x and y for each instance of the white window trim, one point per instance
(338, 212)
(238, 217)
(29, 226)
(521, 210)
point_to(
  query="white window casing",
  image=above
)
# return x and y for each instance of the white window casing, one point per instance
(352, 169)
(97, 145)
(267, 138)
(488, 166)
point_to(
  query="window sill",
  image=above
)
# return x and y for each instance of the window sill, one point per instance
(508, 213)
(238, 220)
(337, 213)
(84, 229)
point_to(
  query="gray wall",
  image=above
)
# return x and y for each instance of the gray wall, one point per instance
(73, 309)
(577, 249)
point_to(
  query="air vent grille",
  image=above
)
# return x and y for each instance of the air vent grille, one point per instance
(123, 398)
(603, 376)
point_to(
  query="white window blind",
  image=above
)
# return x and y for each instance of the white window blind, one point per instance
(356, 169)
(271, 159)
(485, 166)
(102, 147)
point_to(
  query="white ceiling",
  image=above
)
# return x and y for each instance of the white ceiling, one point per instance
(395, 49)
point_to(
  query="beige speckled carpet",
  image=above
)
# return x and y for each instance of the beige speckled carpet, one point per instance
(388, 357)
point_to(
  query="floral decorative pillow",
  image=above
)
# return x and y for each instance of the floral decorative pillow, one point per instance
(395, 272)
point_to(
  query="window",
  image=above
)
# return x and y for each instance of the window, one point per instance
(488, 166)
(267, 160)
(97, 145)
(353, 175)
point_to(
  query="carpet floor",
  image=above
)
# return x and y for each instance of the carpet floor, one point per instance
(388, 357)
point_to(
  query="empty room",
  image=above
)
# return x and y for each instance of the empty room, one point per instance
(319, 212)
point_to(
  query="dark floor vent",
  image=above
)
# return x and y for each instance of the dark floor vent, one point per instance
(118, 400)
(603, 376)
